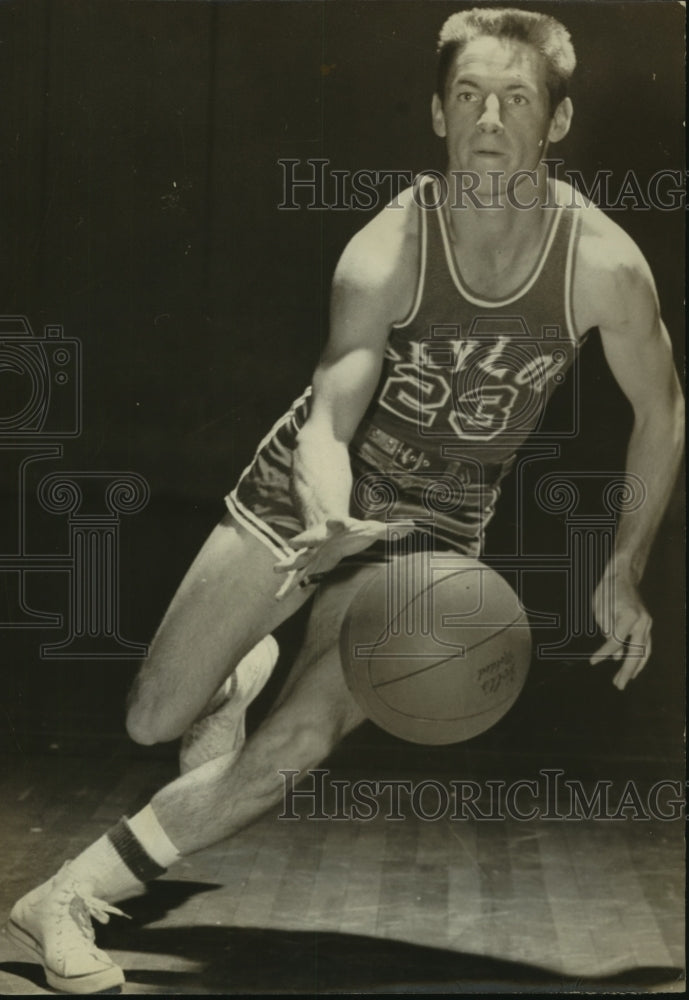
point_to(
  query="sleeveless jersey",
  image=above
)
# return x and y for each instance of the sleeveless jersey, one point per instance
(465, 380)
(467, 377)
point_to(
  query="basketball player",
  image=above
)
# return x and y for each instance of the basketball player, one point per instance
(427, 379)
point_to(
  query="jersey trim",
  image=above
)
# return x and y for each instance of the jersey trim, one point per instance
(520, 292)
(421, 277)
(569, 280)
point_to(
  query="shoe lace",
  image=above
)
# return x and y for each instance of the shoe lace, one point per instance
(81, 908)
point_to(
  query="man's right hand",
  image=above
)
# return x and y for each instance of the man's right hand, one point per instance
(320, 548)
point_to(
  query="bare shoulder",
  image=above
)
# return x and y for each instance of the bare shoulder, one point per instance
(613, 286)
(381, 260)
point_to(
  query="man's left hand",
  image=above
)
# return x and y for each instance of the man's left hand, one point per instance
(626, 624)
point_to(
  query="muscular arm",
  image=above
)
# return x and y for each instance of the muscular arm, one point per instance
(643, 367)
(638, 350)
(371, 289)
(343, 385)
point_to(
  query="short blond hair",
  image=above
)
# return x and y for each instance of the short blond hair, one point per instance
(541, 31)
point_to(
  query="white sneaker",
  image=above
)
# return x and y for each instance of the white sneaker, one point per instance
(223, 731)
(54, 923)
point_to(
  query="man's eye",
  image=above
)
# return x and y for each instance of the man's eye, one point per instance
(518, 99)
(466, 96)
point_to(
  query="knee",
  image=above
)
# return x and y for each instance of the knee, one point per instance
(148, 727)
(148, 720)
(308, 742)
(138, 729)
(312, 719)
(135, 721)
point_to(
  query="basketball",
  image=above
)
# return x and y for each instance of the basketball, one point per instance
(435, 647)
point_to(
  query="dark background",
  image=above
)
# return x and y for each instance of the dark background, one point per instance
(139, 189)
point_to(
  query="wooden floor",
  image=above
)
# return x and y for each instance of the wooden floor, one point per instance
(309, 907)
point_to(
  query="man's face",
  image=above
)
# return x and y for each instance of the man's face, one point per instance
(495, 113)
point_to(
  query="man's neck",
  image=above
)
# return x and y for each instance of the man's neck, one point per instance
(497, 218)
(496, 244)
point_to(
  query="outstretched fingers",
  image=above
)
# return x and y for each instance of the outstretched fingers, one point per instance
(629, 644)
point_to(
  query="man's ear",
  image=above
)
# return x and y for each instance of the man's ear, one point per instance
(438, 117)
(562, 119)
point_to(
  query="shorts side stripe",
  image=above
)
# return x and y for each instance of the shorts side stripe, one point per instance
(285, 418)
(257, 527)
(254, 524)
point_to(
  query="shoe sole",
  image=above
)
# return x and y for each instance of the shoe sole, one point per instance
(92, 982)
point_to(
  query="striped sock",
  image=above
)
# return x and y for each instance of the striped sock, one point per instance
(133, 852)
(147, 831)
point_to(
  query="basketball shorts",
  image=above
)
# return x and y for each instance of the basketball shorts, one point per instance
(451, 505)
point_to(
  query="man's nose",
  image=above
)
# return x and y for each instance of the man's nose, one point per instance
(490, 118)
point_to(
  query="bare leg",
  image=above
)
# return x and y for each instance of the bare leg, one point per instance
(213, 801)
(223, 607)
(313, 713)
